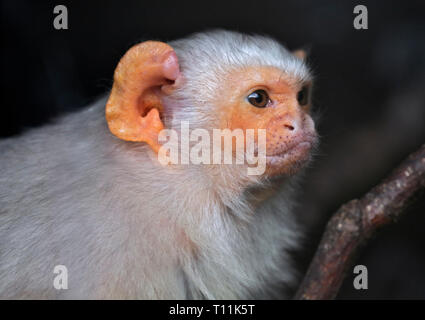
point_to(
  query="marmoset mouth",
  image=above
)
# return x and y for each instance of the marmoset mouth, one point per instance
(295, 144)
(296, 152)
(293, 157)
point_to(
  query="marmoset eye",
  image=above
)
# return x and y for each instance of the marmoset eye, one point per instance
(302, 96)
(259, 98)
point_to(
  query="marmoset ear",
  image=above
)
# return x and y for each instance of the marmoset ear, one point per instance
(134, 105)
(300, 54)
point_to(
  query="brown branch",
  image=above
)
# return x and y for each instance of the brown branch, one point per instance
(354, 223)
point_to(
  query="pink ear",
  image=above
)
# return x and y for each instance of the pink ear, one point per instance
(300, 54)
(134, 106)
(171, 67)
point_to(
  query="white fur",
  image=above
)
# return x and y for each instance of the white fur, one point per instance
(126, 227)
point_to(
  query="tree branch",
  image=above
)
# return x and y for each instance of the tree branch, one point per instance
(354, 223)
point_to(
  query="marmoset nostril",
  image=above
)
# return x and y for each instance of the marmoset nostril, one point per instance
(288, 126)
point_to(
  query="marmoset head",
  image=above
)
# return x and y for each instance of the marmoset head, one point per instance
(218, 80)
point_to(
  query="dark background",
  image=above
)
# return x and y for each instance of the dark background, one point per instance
(369, 92)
